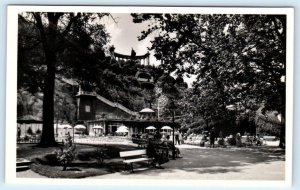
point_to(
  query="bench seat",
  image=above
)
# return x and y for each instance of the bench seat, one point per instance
(134, 156)
(137, 160)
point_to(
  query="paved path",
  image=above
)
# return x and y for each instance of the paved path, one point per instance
(272, 171)
(263, 163)
(216, 164)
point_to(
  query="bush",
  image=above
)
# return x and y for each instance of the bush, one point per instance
(29, 131)
(221, 142)
(231, 141)
(67, 153)
(38, 131)
(202, 143)
(26, 138)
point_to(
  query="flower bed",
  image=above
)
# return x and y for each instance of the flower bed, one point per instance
(85, 161)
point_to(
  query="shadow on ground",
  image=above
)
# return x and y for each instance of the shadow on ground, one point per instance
(196, 160)
(221, 160)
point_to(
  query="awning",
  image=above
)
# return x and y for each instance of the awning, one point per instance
(147, 110)
(97, 127)
(79, 127)
(166, 128)
(150, 128)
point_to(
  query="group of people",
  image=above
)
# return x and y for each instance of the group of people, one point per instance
(238, 139)
(152, 151)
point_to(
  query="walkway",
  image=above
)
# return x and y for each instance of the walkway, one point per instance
(258, 163)
(267, 163)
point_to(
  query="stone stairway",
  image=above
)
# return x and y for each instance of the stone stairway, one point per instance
(23, 164)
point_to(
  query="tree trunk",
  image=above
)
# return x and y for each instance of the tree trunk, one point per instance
(48, 138)
(283, 86)
(49, 39)
(282, 122)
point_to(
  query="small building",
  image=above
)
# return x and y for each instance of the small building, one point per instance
(95, 110)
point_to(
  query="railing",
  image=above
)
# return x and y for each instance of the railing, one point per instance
(145, 80)
(112, 104)
(87, 93)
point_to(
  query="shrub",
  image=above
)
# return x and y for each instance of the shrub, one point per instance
(26, 138)
(29, 131)
(100, 155)
(202, 143)
(221, 142)
(67, 153)
(231, 141)
(38, 131)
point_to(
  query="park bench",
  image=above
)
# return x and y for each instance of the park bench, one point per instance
(142, 143)
(134, 156)
(268, 138)
(248, 140)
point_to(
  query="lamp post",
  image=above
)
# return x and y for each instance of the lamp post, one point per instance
(172, 107)
(57, 113)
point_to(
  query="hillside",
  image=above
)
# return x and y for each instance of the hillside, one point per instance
(117, 82)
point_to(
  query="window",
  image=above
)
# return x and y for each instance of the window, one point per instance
(87, 108)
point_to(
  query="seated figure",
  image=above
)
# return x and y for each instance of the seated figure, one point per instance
(170, 145)
(151, 153)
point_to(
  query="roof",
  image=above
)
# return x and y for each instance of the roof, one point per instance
(108, 102)
(114, 104)
(28, 119)
(131, 57)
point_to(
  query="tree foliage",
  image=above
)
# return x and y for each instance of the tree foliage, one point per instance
(53, 46)
(238, 59)
(51, 43)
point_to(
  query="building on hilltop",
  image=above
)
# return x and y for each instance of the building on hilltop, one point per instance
(145, 79)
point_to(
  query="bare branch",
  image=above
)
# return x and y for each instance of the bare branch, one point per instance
(113, 18)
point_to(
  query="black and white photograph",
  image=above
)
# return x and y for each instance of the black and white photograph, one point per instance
(150, 93)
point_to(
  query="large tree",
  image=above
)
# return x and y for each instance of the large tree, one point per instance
(54, 36)
(238, 59)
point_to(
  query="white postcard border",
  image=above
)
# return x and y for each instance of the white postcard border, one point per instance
(11, 94)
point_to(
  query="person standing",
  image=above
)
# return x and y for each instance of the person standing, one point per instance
(238, 140)
(258, 141)
(19, 134)
(212, 137)
(157, 135)
(177, 138)
(180, 138)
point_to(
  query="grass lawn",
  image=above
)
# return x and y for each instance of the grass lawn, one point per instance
(85, 163)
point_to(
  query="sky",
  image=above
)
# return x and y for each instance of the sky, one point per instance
(124, 36)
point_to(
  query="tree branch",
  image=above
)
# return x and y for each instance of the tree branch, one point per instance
(40, 26)
(113, 18)
(72, 20)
